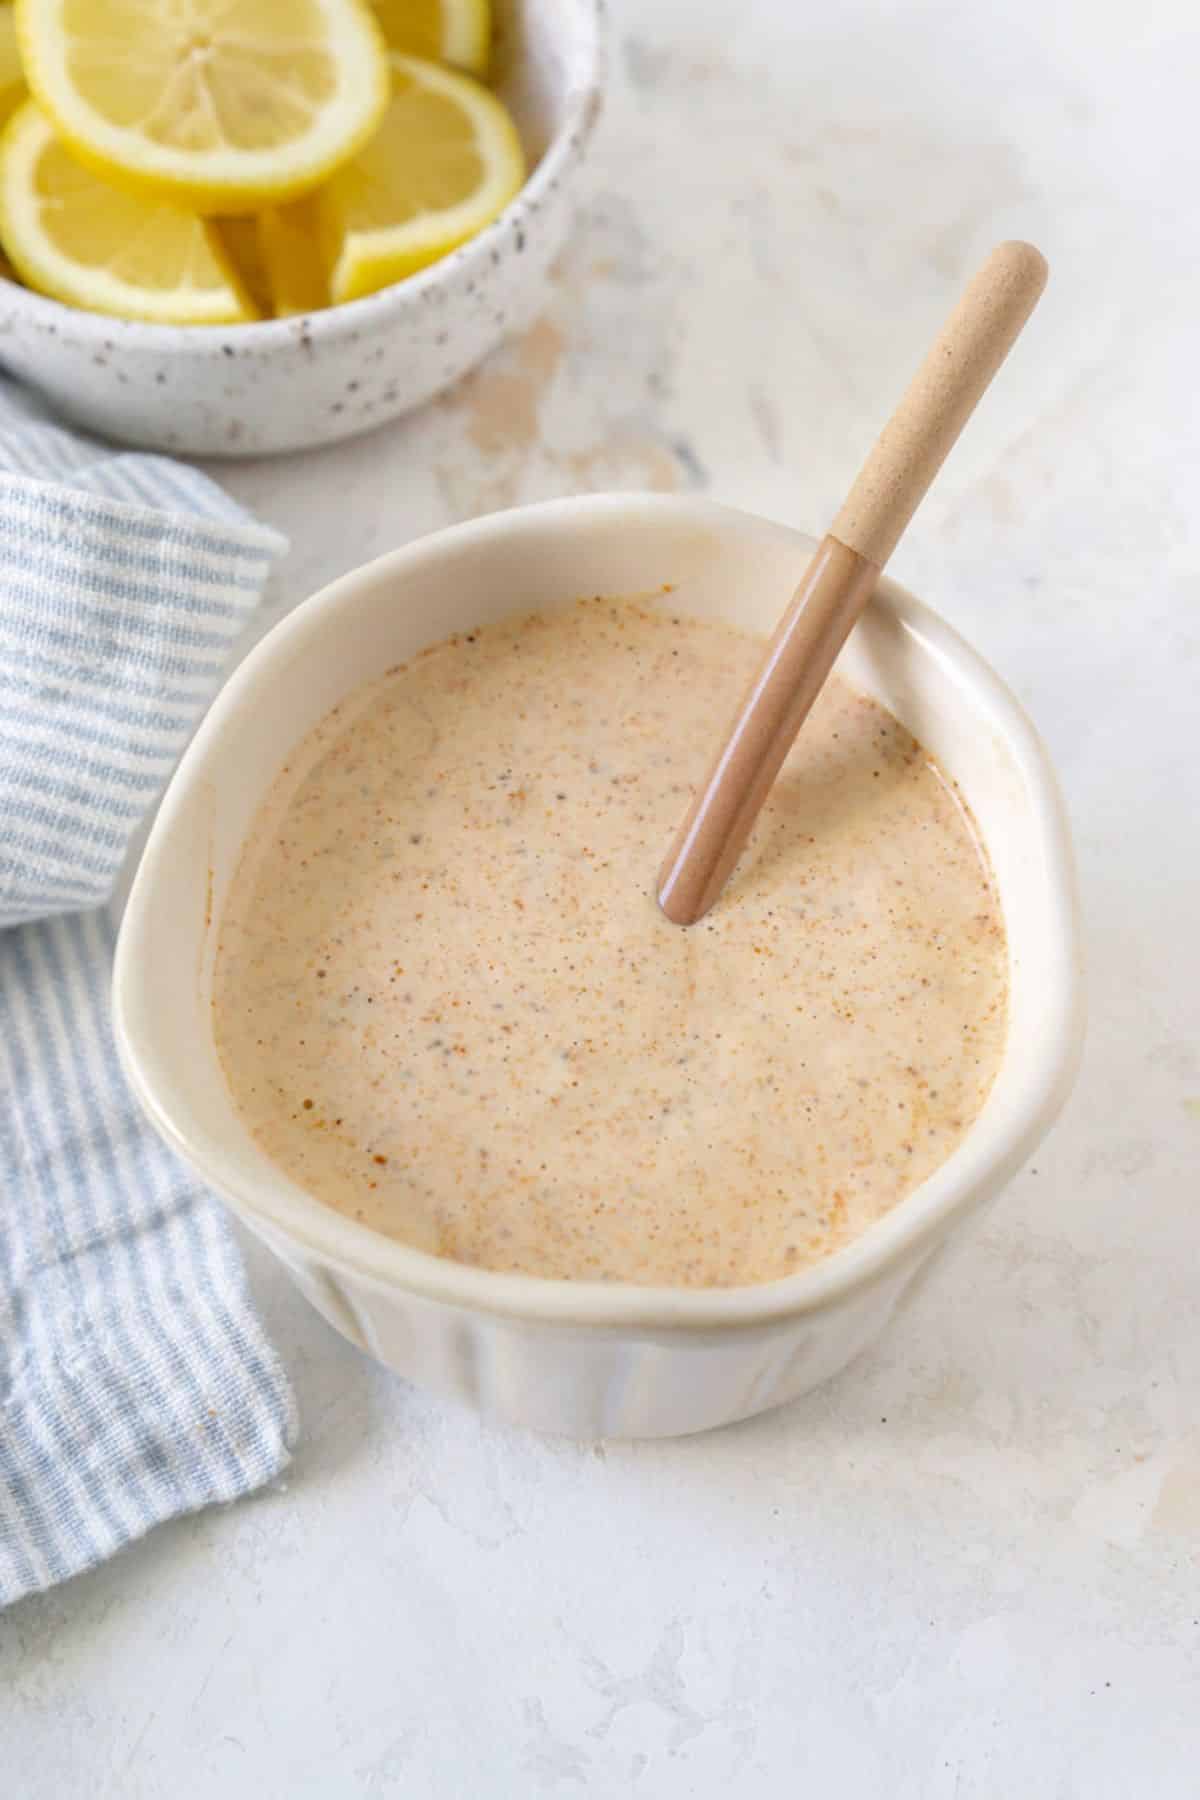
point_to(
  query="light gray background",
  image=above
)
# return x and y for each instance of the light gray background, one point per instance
(970, 1566)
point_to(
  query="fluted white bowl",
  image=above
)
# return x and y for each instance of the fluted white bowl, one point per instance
(590, 1359)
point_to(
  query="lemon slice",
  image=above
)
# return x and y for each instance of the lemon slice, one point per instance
(218, 105)
(290, 253)
(451, 31)
(75, 237)
(12, 76)
(445, 160)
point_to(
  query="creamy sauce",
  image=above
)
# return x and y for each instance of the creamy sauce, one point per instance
(447, 1004)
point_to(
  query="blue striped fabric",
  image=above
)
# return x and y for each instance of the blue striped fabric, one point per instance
(135, 1381)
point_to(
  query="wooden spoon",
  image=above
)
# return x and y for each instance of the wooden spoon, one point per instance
(842, 575)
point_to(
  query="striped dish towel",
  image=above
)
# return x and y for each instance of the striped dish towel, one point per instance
(135, 1380)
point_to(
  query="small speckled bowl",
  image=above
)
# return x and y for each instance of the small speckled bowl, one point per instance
(591, 1359)
(291, 384)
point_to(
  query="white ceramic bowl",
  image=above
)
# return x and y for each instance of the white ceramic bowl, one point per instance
(289, 384)
(588, 1359)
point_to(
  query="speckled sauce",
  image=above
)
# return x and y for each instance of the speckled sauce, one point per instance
(446, 1002)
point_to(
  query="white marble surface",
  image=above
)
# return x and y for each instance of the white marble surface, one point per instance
(971, 1566)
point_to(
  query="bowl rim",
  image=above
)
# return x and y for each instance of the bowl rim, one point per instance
(331, 323)
(988, 1155)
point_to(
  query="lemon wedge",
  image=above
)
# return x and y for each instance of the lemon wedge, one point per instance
(290, 253)
(217, 105)
(450, 31)
(12, 75)
(445, 161)
(78, 239)
(238, 236)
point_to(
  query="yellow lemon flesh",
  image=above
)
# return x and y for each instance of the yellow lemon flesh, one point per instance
(238, 236)
(290, 253)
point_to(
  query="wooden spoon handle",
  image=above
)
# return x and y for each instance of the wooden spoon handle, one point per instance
(842, 575)
(943, 394)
